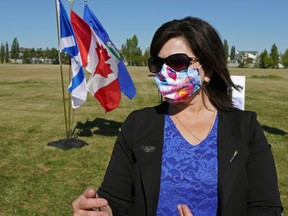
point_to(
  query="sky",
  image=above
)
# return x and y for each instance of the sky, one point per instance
(249, 25)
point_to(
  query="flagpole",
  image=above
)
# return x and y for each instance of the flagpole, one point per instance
(61, 70)
(69, 142)
(70, 107)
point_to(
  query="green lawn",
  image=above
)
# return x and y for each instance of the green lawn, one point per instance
(36, 179)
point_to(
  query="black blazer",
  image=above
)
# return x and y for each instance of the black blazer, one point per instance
(247, 175)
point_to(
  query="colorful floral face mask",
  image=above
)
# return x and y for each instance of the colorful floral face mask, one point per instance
(175, 86)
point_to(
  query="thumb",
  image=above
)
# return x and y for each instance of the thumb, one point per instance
(89, 193)
(184, 210)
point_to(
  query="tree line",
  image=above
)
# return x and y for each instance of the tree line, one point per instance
(264, 60)
(27, 54)
(132, 55)
(130, 52)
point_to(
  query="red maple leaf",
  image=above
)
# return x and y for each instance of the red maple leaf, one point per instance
(102, 68)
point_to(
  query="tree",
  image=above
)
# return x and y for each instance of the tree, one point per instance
(32, 53)
(39, 52)
(226, 49)
(232, 53)
(274, 57)
(26, 57)
(131, 53)
(242, 63)
(15, 49)
(53, 54)
(284, 59)
(6, 52)
(2, 53)
(264, 59)
(146, 56)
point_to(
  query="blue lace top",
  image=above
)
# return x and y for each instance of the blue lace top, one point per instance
(189, 173)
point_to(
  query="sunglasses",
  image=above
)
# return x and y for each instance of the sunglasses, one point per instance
(177, 62)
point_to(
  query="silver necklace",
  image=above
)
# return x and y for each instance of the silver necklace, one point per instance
(200, 140)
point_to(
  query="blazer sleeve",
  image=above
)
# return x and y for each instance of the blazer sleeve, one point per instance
(117, 184)
(263, 196)
(131, 180)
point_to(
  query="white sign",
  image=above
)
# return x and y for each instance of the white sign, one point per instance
(238, 97)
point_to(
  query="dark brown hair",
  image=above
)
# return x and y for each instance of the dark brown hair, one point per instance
(206, 44)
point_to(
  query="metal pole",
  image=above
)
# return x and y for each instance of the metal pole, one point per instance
(70, 107)
(61, 69)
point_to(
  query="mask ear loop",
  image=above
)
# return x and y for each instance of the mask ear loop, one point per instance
(205, 82)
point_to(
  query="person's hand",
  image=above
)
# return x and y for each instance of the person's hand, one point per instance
(184, 210)
(88, 204)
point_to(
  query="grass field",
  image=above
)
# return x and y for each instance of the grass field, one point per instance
(36, 179)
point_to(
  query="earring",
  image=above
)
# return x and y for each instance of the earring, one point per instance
(206, 81)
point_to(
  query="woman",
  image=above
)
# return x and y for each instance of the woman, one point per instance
(193, 154)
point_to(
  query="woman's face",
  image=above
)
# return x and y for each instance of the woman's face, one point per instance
(179, 45)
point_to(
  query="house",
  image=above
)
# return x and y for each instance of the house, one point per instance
(245, 55)
(33, 60)
(249, 58)
(22, 51)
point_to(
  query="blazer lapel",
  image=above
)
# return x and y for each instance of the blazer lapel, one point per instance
(230, 158)
(151, 160)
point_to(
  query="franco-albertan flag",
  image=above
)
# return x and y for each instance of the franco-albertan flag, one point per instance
(100, 62)
(68, 44)
(124, 79)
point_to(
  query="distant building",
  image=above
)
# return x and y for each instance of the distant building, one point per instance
(233, 63)
(280, 66)
(22, 50)
(33, 60)
(249, 58)
(16, 61)
(241, 55)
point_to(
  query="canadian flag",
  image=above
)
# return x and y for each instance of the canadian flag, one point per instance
(100, 62)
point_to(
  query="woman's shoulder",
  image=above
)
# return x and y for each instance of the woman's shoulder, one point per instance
(145, 118)
(237, 113)
(239, 123)
(159, 109)
(238, 117)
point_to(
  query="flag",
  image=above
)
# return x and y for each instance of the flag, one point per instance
(103, 82)
(125, 81)
(68, 44)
